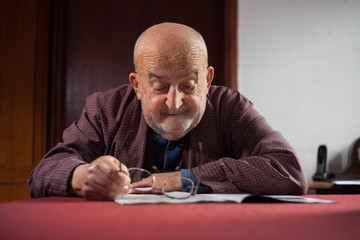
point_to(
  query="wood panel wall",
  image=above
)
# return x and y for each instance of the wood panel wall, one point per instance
(24, 29)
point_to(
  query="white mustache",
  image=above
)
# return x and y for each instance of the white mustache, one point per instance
(173, 112)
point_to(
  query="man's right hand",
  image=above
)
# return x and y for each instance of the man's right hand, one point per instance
(101, 179)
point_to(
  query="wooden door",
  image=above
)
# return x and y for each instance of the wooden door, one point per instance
(94, 40)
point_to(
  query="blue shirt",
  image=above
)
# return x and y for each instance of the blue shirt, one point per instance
(167, 155)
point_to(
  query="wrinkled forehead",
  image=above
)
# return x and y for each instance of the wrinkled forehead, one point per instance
(171, 59)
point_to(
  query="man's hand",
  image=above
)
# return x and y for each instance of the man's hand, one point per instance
(160, 178)
(101, 180)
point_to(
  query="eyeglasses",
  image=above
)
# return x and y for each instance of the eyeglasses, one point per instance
(143, 181)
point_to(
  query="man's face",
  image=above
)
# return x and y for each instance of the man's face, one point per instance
(172, 90)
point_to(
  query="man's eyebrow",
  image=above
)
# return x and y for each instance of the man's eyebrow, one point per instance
(153, 75)
(186, 75)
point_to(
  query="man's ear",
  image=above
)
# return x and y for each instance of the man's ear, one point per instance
(133, 78)
(209, 76)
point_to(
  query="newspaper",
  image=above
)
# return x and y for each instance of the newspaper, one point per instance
(216, 198)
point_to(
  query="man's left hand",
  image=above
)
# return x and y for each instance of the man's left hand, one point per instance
(160, 178)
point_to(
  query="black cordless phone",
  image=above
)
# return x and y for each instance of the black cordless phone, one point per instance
(321, 174)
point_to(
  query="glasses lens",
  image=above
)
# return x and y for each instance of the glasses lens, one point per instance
(183, 193)
(141, 180)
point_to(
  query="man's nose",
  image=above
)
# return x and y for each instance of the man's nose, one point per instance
(174, 99)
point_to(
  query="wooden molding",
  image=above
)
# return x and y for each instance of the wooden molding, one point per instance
(56, 107)
(41, 81)
(231, 45)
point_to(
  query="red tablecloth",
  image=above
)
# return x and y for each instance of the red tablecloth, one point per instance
(77, 218)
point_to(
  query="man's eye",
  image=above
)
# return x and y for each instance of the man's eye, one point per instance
(160, 88)
(188, 86)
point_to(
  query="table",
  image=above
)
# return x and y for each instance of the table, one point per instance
(77, 218)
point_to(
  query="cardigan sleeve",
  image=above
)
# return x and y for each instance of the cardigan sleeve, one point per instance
(82, 143)
(257, 160)
(104, 128)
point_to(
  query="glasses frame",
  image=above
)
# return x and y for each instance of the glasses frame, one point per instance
(150, 175)
(194, 187)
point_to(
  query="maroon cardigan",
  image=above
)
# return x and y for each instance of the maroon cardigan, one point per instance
(242, 153)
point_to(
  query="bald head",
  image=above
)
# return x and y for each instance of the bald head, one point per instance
(170, 41)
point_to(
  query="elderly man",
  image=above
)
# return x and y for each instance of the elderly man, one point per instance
(157, 122)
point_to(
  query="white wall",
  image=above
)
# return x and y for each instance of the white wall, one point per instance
(299, 62)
